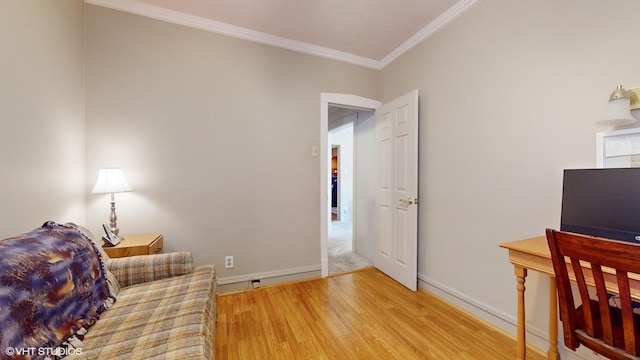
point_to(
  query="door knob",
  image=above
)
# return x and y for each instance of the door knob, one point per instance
(409, 201)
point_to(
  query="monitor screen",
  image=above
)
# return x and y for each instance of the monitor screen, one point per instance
(602, 202)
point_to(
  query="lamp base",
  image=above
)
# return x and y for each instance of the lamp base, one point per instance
(113, 218)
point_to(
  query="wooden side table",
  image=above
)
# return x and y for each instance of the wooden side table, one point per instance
(136, 245)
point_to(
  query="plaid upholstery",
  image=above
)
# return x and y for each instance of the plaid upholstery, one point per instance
(140, 269)
(171, 318)
(112, 281)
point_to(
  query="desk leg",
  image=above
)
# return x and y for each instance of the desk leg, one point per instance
(553, 354)
(521, 274)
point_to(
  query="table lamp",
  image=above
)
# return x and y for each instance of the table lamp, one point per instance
(111, 181)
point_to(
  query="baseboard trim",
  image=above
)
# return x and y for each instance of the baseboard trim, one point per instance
(234, 283)
(539, 338)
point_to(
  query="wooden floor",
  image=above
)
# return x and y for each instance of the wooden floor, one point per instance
(362, 315)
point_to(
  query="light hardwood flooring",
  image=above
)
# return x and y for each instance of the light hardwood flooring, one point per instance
(361, 315)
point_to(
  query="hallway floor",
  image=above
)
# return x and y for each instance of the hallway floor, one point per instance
(341, 257)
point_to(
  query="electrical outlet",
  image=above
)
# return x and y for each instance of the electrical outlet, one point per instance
(255, 283)
(228, 262)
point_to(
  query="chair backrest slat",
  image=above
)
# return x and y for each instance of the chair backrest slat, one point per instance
(584, 296)
(627, 312)
(603, 303)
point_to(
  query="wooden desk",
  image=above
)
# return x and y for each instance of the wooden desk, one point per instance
(534, 254)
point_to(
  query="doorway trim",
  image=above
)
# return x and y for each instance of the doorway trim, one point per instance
(346, 101)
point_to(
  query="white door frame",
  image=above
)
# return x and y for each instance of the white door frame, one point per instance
(342, 100)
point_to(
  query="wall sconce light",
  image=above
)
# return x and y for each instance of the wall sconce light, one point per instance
(620, 105)
(111, 181)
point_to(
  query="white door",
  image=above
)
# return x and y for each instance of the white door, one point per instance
(397, 189)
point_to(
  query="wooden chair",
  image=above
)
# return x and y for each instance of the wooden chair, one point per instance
(609, 330)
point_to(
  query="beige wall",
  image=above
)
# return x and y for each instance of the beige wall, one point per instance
(509, 96)
(41, 113)
(214, 135)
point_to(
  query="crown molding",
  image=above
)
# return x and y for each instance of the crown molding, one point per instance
(441, 21)
(218, 27)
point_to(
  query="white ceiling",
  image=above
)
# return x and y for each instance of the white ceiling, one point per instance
(369, 33)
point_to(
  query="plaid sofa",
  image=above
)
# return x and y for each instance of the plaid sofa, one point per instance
(61, 296)
(165, 309)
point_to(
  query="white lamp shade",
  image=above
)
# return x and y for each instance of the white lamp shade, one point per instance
(618, 113)
(110, 181)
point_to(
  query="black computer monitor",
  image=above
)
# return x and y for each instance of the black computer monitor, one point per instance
(602, 202)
